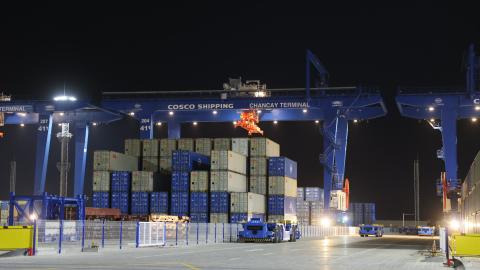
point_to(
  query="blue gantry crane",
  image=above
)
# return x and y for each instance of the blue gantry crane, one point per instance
(442, 108)
(334, 106)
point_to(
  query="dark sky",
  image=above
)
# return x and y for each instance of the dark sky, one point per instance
(198, 46)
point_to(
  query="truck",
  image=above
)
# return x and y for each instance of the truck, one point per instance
(255, 230)
(426, 231)
(370, 229)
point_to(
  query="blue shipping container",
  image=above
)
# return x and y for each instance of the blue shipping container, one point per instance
(282, 166)
(140, 203)
(281, 205)
(100, 200)
(120, 181)
(199, 217)
(189, 161)
(159, 202)
(121, 200)
(244, 217)
(198, 202)
(180, 181)
(219, 202)
(337, 183)
(179, 203)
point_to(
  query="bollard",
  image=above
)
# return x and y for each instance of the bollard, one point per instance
(60, 237)
(236, 237)
(176, 233)
(197, 231)
(121, 233)
(223, 232)
(186, 224)
(215, 232)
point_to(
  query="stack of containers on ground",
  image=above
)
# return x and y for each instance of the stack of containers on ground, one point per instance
(246, 205)
(167, 146)
(183, 163)
(315, 197)
(150, 155)
(199, 182)
(356, 213)
(203, 146)
(369, 213)
(111, 168)
(303, 207)
(260, 150)
(4, 207)
(227, 175)
(282, 189)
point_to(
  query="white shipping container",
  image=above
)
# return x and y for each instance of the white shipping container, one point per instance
(150, 148)
(167, 146)
(313, 194)
(113, 161)
(258, 166)
(101, 181)
(300, 193)
(203, 146)
(199, 181)
(142, 181)
(282, 185)
(133, 147)
(282, 218)
(185, 144)
(222, 144)
(247, 202)
(227, 181)
(338, 200)
(228, 160)
(166, 164)
(241, 146)
(258, 184)
(150, 164)
(219, 218)
(263, 147)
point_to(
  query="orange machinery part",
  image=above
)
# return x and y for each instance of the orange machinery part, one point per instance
(346, 189)
(2, 135)
(444, 187)
(248, 121)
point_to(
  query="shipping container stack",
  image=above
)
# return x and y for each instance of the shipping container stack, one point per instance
(246, 205)
(362, 213)
(282, 189)
(315, 197)
(227, 175)
(183, 163)
(150, 155)
(199, 183)
(111, 171)
(143, 183)
(167, 146)
(303, 207)
(4, 206)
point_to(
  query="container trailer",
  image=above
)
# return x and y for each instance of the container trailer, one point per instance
(370, 229)
(257, 230)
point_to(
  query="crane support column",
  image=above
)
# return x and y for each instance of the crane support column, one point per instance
(81, 146)
(146, 126)
(341, 152)
(174, 130)
(44, 134)
(449, 140)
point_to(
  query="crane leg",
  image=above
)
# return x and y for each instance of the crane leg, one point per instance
(44, 134)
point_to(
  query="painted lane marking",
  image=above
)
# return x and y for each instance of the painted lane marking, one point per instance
(189, 266)
(252, 250)
(233, 259)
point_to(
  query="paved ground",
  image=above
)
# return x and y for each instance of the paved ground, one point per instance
(352, 253)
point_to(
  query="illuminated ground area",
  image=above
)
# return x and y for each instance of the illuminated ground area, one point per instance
(389, 252)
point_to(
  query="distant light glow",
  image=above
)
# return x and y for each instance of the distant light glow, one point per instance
(325, 222)
(94, 123)
(474, 119)
(195, 123)
(432, 120)
(131, 113)
(65, 98)
(355, 120)
(59, 124)
(170, 113)
(33, 217)
(22, 124)
(22, 114)
(159, 123)
(260, 94)
(214, 112)
(316, 121)
(344, 219)
(61, 114)
(454, 224)
(234, 122)
(305, 110)
(259, 111)
(275, 122)
(477, 108)
(431, 109)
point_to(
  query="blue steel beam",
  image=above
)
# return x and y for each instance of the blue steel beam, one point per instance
(44, 135)
(81, 147)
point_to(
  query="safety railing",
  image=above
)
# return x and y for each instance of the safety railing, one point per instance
(61, 236)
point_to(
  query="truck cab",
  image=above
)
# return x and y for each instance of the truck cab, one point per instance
(256, 230)
(371, 229)
(426, 231)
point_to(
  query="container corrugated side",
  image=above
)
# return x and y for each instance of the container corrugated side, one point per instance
(180, 181)
(222, 144)
(300, 193)
(159, 202)
(144, 181)
(101, 181)
(179, 203)
(229, 161)
(199, 181)
(280, 185)
(219, 202)
(245, 217)
(101, 200)
(314, 194)
(113, 161)
(263, 147)
(199, 217)
(258, 166)
(282, 205)
(203, 146)
(121, 200)
(140, 203)
(165, 164)
(241, 146)
(186, 144)
(120, 181)
(150, 164)
(199, 202)
(282, 166)
(219, 218)
(247, 202)
(133, 147)
(167, 146)
(227, 181)
(258, 184)
(150, 148)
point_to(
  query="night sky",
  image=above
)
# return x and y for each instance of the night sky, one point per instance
(199, 45)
